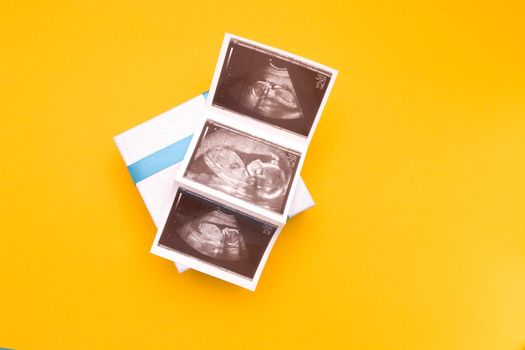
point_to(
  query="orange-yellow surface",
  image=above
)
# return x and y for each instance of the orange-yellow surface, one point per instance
(417, 240)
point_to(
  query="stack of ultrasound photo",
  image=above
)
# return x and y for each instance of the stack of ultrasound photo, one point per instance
(233, 187)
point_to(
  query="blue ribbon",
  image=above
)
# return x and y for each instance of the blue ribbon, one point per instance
(161, 159)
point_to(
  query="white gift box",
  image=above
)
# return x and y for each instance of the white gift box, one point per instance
(153, 151)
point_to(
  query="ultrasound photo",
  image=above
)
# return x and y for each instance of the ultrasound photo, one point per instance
(270, 87)
(243, 166)
(212, 233)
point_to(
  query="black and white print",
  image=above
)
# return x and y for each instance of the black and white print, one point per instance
(243, 166)
(212, 233)
(270, 86)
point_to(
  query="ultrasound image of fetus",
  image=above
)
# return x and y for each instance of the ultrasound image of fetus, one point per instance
(243, 167)
(216, 235)
(272, 87)
(271, 94)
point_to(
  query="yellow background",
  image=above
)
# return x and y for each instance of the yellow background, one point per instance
(417, 240)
